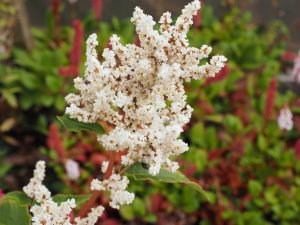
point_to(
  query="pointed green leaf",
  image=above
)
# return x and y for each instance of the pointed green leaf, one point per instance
(75, 125)
(79, 199)
(138, 172)
(18, 197)
(214, 118)
(13, 213)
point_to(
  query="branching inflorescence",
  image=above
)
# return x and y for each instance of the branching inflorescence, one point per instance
(140, 92)
(48, 212)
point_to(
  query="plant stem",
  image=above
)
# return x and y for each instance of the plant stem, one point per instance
(124, 170)
(96, 194)
(110, 167)
(89, 204)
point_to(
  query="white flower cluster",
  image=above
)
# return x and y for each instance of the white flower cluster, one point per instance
(72, 169)
(35, 189)
(117, 185)
(140, 91)
(285, 119)
(48, 212)
(91, 218)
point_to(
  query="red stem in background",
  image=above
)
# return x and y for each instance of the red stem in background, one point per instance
(219, 76)
(77, 43)
(219, 219)
(97, 6)
(137, 42)
(197, 18)
(56, 13)
(96, 194)
(297, 149)
(69, 71)
(55, 142)
(270, 99)
(219, 205)
(75, 55)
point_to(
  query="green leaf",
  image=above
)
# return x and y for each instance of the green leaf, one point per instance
(197, 135)
(4, 168)
(150, 218)
(54, 82)
(45, 100)
(26, 101)
(116, 23)
(211, 138)
(13, 213)
(16, 196)
(127, 212)
(23, 58)
(59, 103)
(7, 125)
(139, 207)
(254, 187)
(29, 80)
(214, 118)
(262, 143)
(233, 123)
(79, 199)
(75, 125)
(138, 172)
(10, 98)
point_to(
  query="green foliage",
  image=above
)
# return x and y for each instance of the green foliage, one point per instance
(230, 143)
(13, 213)
(79, 199)
(34, 81)
(75, 125)
(247, 162)
(17, 196)
(139, 172)
(14, 209)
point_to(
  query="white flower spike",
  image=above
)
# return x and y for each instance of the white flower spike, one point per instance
(72, 169)
(116, 185)
(285, 119)
(139, 90)
(46, 212)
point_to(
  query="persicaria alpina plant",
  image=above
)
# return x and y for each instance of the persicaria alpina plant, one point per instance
(48, 212)
(139, 92)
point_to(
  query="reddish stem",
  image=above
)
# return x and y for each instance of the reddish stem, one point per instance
(124, 170)
(219, 201)
(270, 99)
(96, 194)
(110, 167)
(56, 12)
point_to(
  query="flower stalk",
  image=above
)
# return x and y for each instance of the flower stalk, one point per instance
(96, 194)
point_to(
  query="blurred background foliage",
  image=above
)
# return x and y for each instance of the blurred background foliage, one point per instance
(237, 151)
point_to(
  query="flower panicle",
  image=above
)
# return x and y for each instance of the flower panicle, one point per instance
(128, 90)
